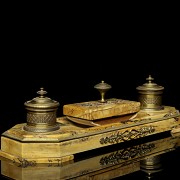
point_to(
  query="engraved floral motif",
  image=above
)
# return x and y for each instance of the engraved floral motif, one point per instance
(128, 135)
(25, 163)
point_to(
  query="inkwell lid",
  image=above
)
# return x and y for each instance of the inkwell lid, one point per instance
(150, 86)
(41, 102)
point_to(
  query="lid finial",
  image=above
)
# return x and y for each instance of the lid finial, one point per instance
(42, 92)
(150, 79)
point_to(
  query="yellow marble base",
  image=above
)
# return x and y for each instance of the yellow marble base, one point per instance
(61, 145)
(114, 163)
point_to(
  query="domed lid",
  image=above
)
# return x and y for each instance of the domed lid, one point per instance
(42, 101)
(150, 85)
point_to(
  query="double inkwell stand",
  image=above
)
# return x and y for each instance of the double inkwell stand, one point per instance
(46, 138)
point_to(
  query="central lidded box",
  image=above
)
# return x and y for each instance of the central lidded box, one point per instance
(95, 110)
(103, 108)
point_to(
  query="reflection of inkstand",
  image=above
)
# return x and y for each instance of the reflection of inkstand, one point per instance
(150, 95)
(151, 166)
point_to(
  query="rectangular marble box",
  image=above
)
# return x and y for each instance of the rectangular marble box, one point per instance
(94, 110)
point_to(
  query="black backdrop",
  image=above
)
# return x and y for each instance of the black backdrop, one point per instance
(68, 53)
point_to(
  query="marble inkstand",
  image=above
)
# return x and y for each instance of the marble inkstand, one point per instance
(85, 126)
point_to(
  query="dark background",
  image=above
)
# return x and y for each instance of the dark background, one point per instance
(70, 49)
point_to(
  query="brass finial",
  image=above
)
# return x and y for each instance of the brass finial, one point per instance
(102, 88)
(149, 79)
(42, 92)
